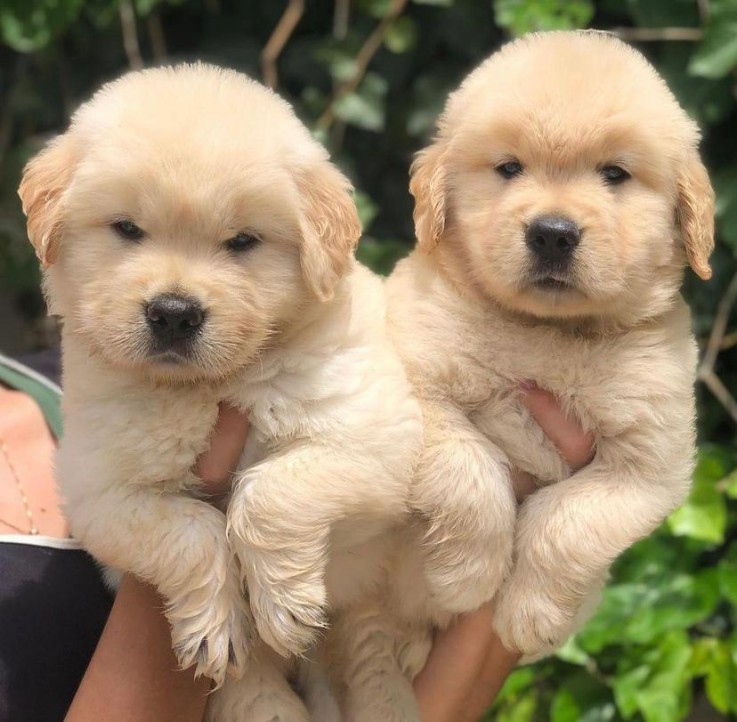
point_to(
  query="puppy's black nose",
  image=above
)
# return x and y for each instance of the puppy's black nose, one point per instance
(172, 317)
(552, 239)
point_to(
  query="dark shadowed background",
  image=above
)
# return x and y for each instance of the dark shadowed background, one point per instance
(369, 76)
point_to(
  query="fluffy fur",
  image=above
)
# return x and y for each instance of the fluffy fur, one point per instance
(293, 333)
(610, 336)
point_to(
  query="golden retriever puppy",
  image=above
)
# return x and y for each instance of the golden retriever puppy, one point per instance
(555, 213)
(197, 244)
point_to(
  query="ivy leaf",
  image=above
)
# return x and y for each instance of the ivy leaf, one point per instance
(626, 687)
(703, 516)
(725, 184)
(716, 55)
(366, 207)
(381, 255)
(525, 16)
(729, 484)
(364, 108)
(28, 25)
(665, 692)
(572, 653)
(727, 571)
(582, 699)
(713, 660)
(401, 35)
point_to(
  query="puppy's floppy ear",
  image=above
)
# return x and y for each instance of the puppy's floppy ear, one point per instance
(695, 213)
(45, 178)
(330, 226)
(428, 186)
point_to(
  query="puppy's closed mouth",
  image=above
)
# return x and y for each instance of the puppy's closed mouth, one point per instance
(550, 283)
(169, 357)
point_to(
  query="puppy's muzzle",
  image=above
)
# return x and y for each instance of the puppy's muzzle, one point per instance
(552, 240)
(174, 320)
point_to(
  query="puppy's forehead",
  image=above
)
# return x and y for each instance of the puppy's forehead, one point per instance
(559, 92)
(167, 112)
(181, 143)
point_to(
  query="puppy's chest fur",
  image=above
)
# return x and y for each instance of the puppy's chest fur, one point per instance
(612, 382)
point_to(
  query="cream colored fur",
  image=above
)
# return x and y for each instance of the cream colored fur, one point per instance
(615, 347)
(294, 334)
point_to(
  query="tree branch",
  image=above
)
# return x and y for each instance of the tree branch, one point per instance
(130, 34)
(156, 36)
(644, 35)
(279, 37)
(706, 372)
(340, 19)
(363, 58)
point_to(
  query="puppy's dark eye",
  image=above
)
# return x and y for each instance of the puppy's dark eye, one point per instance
(242, 242)
(509, 169)
(127, 229)
(614, 175)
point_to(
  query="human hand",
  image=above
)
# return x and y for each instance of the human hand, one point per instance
(134, 673)
(468, 663)
(218, 463)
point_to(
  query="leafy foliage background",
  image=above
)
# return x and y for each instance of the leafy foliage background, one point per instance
(370, 76)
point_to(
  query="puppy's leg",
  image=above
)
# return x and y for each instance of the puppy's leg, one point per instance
(568, 535)
(316, 688)
(463, 491)
(177, 544)
(262, 694)
(279, 522)
(373, 659)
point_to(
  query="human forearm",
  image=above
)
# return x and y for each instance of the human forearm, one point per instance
(134, 674)
(466, 669)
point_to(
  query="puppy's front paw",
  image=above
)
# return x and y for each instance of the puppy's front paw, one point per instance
(529, 620)
(211, 630)
(288, 617)
(461, 577)
(465, 585)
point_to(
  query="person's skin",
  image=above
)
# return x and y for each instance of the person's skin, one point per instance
(133, 673)
(468, 663)
(29, 448)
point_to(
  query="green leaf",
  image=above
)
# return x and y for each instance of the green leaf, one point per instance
(366, 207)
(729, 484)
(521, 710)
(725, 184)
(703, 516)
(643, 612)
(716, 54)
(518, 681)
(727, 571)
(381, 256)
(364, 108)
(401, 35)
(581, 698)
(524, 16)
(626, 688)
(28, 25)
(713, 660)
(665, 692)
(572, 653)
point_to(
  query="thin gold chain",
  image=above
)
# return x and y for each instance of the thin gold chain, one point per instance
(21, 491)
